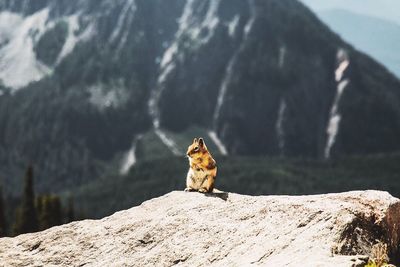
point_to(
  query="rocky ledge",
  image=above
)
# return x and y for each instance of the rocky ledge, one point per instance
(227, 229)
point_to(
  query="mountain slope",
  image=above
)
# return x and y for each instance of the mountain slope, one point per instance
(257, 77)
(74, 122)
(222, 230)
(378, 38)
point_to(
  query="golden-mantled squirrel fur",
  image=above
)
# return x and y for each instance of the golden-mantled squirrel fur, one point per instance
(203, 168)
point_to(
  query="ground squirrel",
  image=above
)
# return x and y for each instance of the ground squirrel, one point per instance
(203, 168)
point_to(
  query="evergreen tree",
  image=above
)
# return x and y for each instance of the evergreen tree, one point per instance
(26, 217)
(2, 215)
(40, 211)
(39, 205)
(50, 211)
(56, 211)
(70, 211)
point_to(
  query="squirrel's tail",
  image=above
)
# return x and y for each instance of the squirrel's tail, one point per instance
(220, 194)
(215, 190)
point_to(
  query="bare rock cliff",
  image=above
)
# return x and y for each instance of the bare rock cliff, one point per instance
(192, 229)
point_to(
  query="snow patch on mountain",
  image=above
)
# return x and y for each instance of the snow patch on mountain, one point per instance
(164, 74)
(170, 52)
(130, 159)
(210, 22)
(188, 26)
(229, 69)
(192, 28)
(250, 23)
(19, 65)
(232, 26)
(169, 142)
(280, 131)
(123, 24)
(282, 55)
(335, 117)
(231, 63)
(221, 100)
(168, 55)
(342, 67)
(221, 147)
(106, 96)
(223, 88)
(129, 6)
(8, 22)
(73, 38)
(154, 113)
(18, 35)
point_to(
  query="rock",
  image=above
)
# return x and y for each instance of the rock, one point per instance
(193, 229)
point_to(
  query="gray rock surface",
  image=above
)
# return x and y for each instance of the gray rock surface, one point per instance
(192, 229)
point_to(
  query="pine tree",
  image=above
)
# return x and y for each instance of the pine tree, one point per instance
(2, 215)
(26, 217)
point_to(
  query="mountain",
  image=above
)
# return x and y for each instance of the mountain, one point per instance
(91, 85)
(376, 37)
(228, 229)
(384, 9)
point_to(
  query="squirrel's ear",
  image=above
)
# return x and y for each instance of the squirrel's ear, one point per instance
(201, 141)
(195, 140)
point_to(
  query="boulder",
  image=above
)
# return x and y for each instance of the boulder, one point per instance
(224, 229)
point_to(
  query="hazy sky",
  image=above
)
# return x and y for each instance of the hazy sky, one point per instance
(385, 9)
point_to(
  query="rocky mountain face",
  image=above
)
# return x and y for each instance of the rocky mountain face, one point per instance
(192, 229)
(84, 83)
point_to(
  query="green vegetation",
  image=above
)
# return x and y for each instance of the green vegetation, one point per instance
(70, 213)
(244, 175)
(34, 214)
(150, 147)
(49, 211)
(185, 138)
(26, 217)
(2, 215)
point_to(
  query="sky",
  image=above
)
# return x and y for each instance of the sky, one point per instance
(384, 9)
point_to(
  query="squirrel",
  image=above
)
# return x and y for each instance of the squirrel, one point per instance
(202, 168)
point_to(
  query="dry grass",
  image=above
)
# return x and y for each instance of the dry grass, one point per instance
(379, 256)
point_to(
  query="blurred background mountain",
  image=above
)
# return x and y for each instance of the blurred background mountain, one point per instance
(384, 9)
(103, 97)
(370, 26)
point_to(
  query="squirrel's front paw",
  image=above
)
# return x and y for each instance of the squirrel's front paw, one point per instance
(203, 190)
(188, 189)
